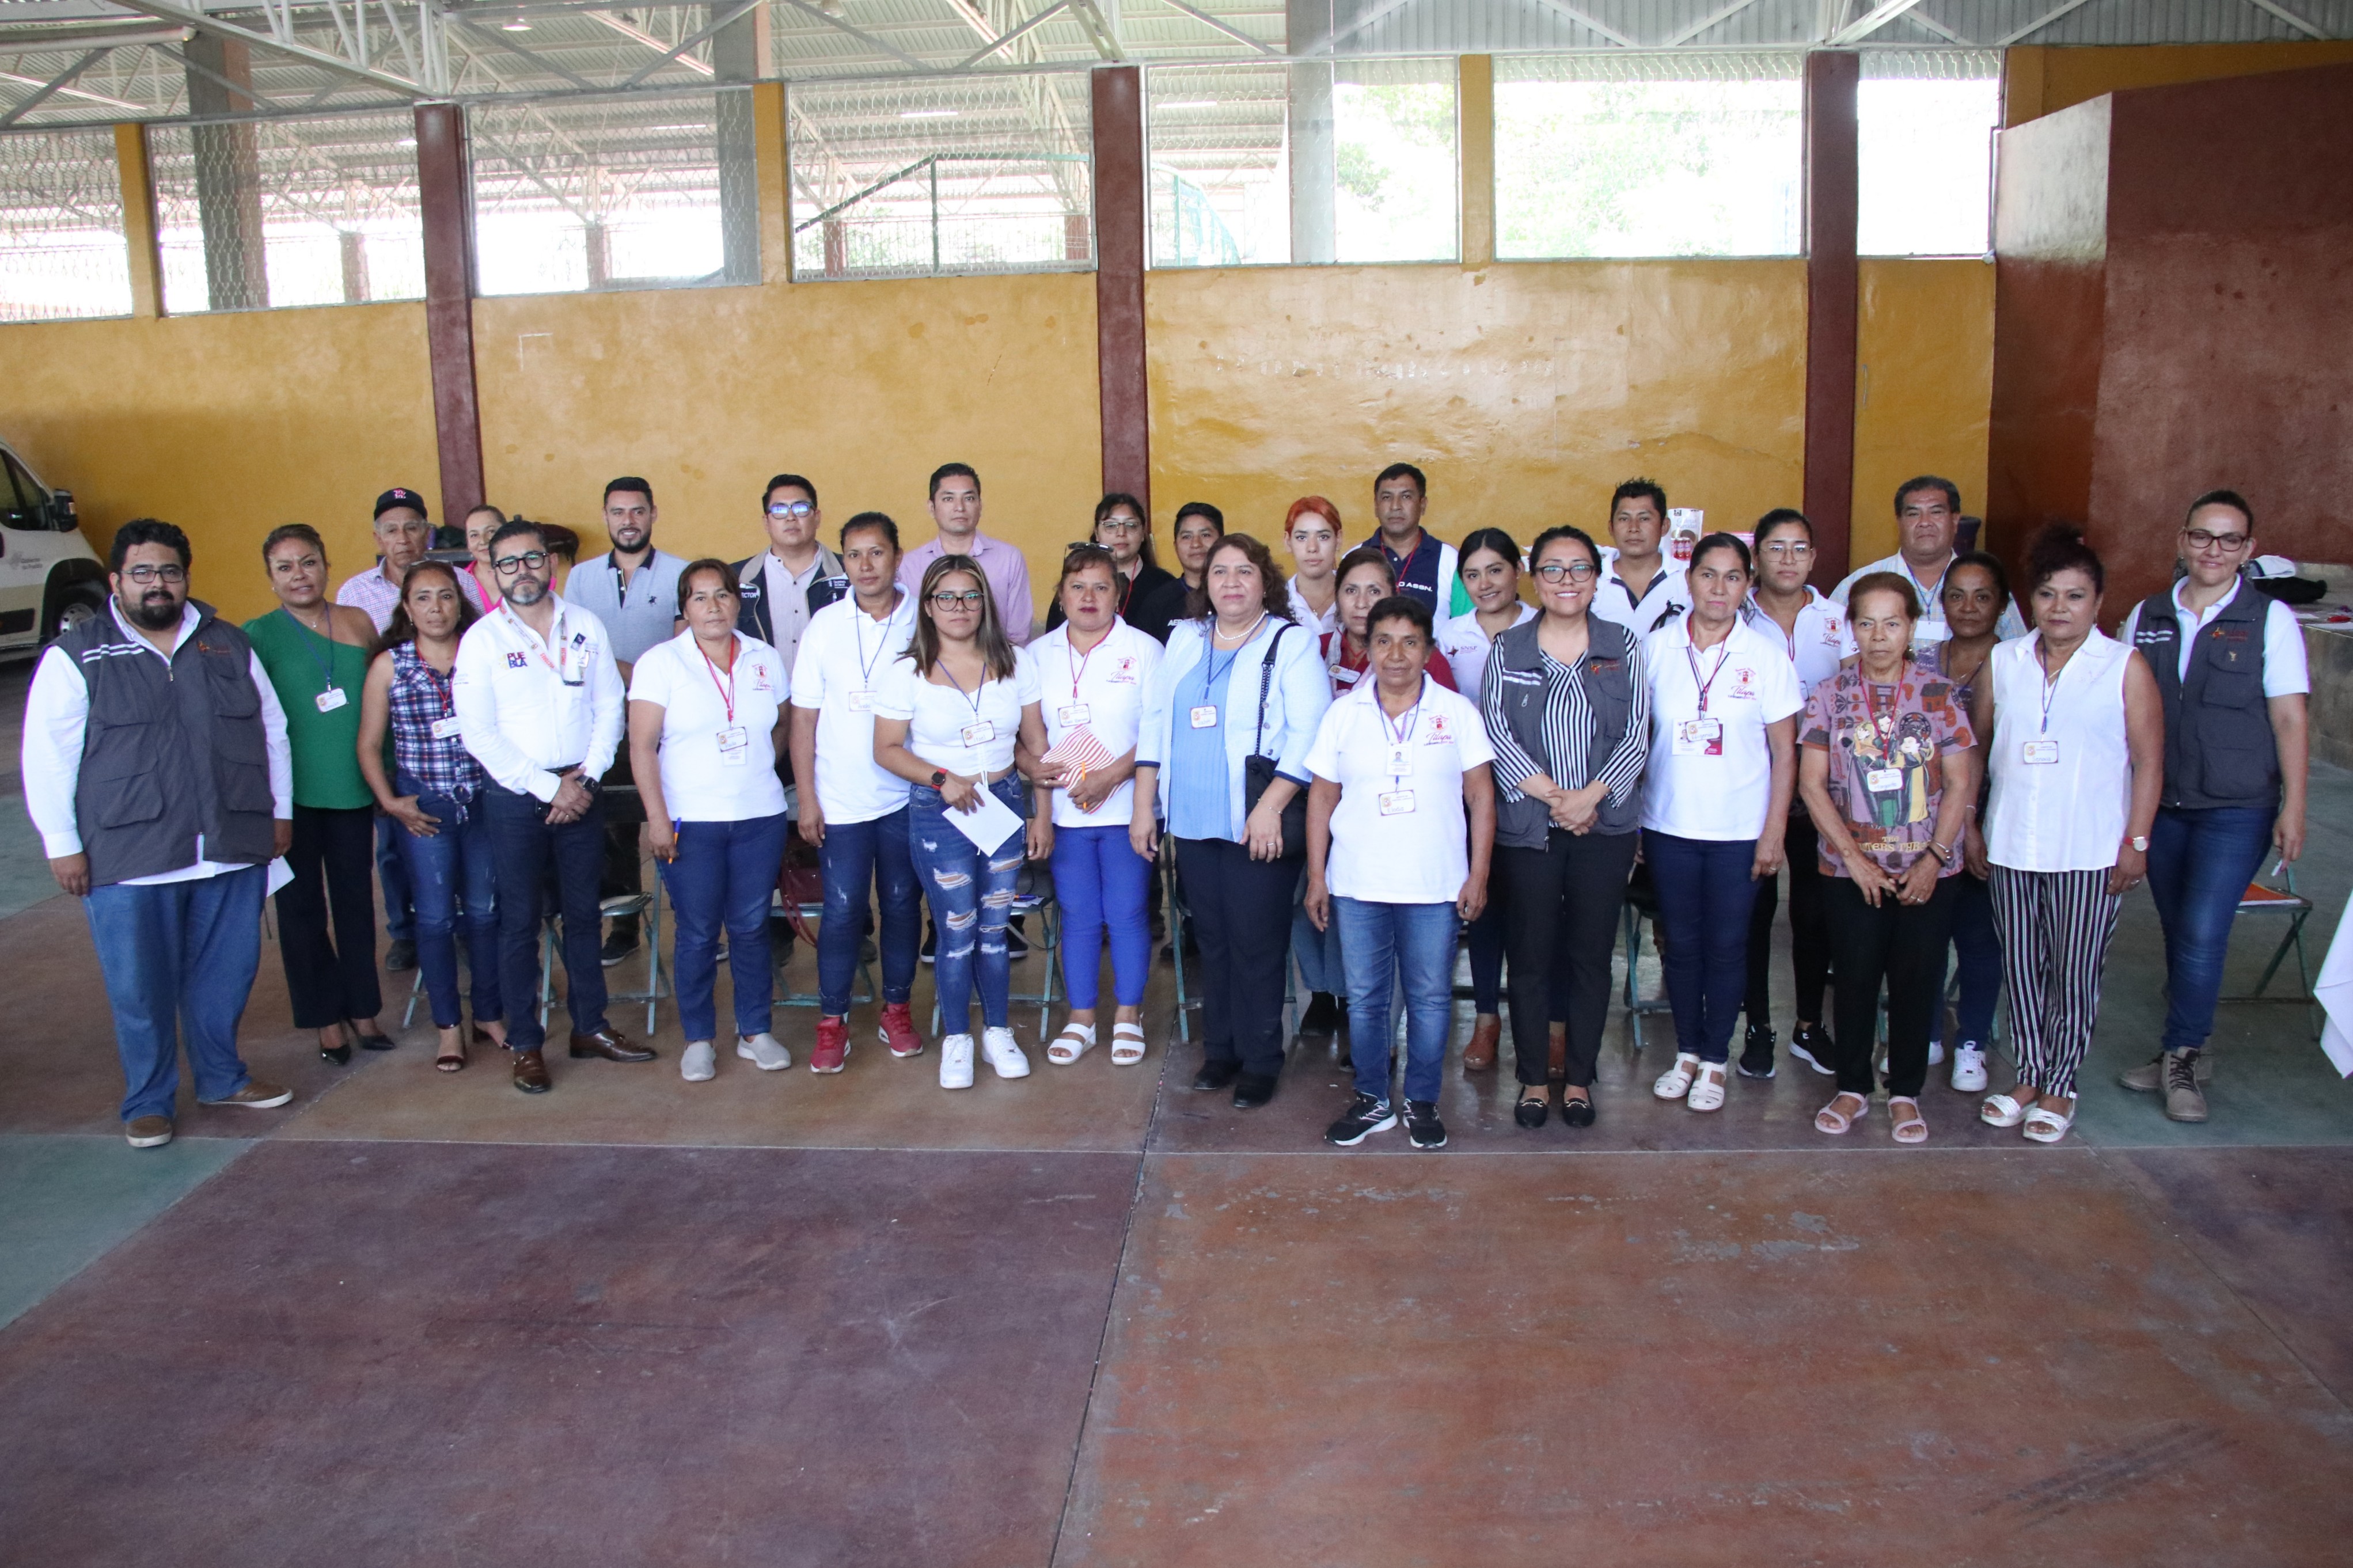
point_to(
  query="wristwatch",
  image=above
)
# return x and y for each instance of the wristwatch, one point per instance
(939, 777)
(2140, 844)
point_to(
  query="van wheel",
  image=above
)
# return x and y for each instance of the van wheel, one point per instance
(83, 602)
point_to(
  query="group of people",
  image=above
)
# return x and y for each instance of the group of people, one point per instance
(1354, 769)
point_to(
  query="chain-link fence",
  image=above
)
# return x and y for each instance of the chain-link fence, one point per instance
(62, 248)
(634, 192)
(913, 179)
(287, 212)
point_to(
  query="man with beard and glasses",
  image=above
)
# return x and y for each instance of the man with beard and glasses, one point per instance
(539, 704)
(634, 591)
(156, 768)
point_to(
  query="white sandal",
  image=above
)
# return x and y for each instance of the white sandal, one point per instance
(2001, 1110)
(1708, 1088)
(1676, 1081)
(1829, 1119)
(1126, 1045)
(2044, 1125)
(1075, 1041)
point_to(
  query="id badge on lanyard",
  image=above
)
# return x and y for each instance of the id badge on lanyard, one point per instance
(1699, 737)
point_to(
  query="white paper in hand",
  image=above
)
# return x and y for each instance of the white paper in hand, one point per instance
(281, 873)
(990, 825)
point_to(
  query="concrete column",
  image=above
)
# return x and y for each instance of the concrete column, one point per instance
(1474, 132)
(139, 220)
(228, 176)
(353, 247)
(1830, 278)
(768, 133)
(736, 56)
(1314, 190)
(441, 189)
(1119, 281)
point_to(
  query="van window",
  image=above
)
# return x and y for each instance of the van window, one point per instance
(20, 499)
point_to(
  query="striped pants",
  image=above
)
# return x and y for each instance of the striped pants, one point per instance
(2056, 927)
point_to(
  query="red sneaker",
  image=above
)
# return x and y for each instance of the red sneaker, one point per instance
(832, 1045)
(898, 1031)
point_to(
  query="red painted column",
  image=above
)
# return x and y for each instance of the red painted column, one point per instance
(1831, 180)
(1119, 280)
(441, 186)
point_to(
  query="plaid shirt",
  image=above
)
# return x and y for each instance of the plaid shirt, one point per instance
(421, 699)
(370, 591)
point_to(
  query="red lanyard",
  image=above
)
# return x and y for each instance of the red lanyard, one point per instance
(562, 660)
(1884, 729)
(726, 692)
(1079, 673)
(1722, 652)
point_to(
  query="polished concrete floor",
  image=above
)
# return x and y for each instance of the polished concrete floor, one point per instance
(1092, 1318)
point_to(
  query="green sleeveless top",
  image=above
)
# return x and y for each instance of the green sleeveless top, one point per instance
(302, 666)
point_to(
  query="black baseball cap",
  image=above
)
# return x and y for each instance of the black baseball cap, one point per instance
(397, 496)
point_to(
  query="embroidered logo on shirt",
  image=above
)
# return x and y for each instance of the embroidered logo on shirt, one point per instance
(1122, 673)
(1744, 682)
(518, 662)
(1440, 732)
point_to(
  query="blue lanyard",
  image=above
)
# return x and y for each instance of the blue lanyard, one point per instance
(326, 665)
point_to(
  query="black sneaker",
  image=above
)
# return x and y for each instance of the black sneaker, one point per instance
(930, 953)
(400, 958)
(1323, 1015)
(1015, 944)
(1756, 1052)
(622, 943)
(1216, 1074)
(1365, 1117)
(1422, 1125)
(1811, 1047)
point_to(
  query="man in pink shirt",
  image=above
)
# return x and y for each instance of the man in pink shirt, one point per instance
(955, 509)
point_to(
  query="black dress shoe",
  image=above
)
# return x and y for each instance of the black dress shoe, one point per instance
(1531, 1112)
(1217, 1075)
(1323, 1015)
(612, 1044)
(531, 1072)
(400, 958)
(1577, 1112)
(1251, 1090)
(339, 1055)
(377, 1042)
(618, 945)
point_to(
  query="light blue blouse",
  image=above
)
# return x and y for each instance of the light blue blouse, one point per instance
(1198, 798)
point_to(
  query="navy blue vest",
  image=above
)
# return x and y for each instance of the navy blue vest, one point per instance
(2219, 746)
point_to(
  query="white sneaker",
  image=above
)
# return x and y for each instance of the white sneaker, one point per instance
(1969, 1068)
(698, 1063)
(1003, 1055)
(955, 1062)
(1936, 1053)
(765, 1050)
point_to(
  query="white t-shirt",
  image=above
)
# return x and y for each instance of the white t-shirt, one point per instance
(1101, 691)
(967, 732)
(715, 766)
(2287, 672)
(844, 654)
(1711, 774)
(1815, 645)
(1399, 837)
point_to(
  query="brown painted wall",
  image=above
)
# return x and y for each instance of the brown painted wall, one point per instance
(2040, 80)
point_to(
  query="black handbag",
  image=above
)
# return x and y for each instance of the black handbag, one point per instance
(1258, 769)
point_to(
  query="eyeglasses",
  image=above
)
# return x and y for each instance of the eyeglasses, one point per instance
(143, 576)
(1792, 549)
(1119, 525)
(2228, 543)
(791, 508)
(507, 565)
(1575, 571)
(949, 599)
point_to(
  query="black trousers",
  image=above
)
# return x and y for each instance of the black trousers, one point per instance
(1561, 906)
(625, 813)
(1902, 944)
(1809, 937)
(1241, 918)
(332, 858)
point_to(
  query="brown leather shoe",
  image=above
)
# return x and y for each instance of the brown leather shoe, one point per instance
(256, 1096)
(1479, 1055)
(612, 1044)
(531, 1073)
(1556, 1057)
(148, 1131)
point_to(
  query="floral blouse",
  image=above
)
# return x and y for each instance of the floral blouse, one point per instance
(1886, 745)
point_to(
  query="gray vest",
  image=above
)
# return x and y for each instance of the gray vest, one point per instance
(1517, 665)
(170, 754)
(2219, 746)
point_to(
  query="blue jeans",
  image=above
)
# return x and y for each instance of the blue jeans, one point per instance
(861, 858)
(1101, 883)
(524, 848)
(972, 898)
(2200, 863)
(452, 876)
(1323, 962)
(1980, 948)
(724, 875)
(392, 871)
(178, 955)
(1705, 895)
(1386, 943)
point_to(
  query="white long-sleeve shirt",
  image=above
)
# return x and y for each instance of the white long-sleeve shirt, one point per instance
(526, 707)
(56, 717)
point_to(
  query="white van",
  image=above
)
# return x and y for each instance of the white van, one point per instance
(49, 578)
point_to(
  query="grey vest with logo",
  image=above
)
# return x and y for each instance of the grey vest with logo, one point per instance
(172, 753)
(1517, 665)
(2219, 746)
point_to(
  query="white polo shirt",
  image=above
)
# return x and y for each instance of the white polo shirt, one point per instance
(2287, 672)
(1817, 642)
(1304, 614)
(967, 732)
(1101, 691)
(844, 654)
(1931, 627)
(1399, 838)
(526, 707)
(1711, 772)
(1669, 592)
(719, 728)
(1467, 647)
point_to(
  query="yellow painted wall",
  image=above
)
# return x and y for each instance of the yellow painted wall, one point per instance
(227, 426)
(864, 387)
(2040, 80)
(1924, 386)
(1527, 391)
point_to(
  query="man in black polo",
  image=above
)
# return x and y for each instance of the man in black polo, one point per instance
(156, 768)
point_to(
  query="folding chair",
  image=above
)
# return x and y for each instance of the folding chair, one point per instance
(1180, 919)
(1045, 944)
(647, 906)
(800, 898)
(2284, 900)
(1642, 903)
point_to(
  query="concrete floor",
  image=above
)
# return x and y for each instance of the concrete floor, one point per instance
(1092, 1318)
